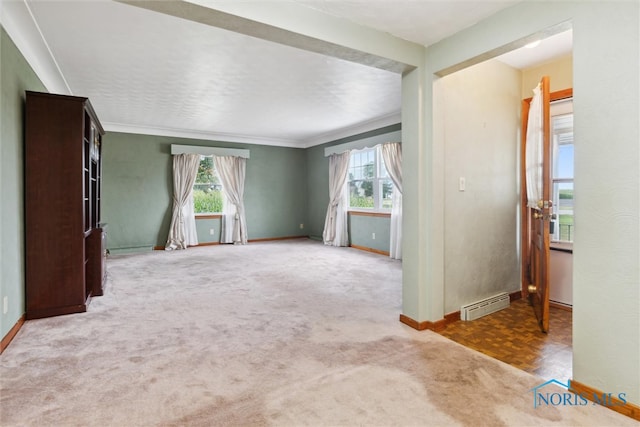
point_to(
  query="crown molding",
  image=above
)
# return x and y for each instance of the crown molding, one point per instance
(380, 122)
(359, 128)
(202, 135)
(18, 20)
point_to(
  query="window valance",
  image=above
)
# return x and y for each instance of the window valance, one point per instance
(209, 151)
(370, 142)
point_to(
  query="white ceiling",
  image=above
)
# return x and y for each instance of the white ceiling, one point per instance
(548, 49)
(147, 72)
(421, 21)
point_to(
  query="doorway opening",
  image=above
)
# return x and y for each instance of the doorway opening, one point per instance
(476, 220)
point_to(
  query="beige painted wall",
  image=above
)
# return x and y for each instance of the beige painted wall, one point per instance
(560, 71)
(479, 132)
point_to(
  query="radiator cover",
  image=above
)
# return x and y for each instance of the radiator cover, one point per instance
(486, 306)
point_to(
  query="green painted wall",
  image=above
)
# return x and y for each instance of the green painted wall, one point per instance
(137, 190)
(363, 228)
(204, 227)
(317, 190)
(16, 76)
(318, 194)
(276, 192)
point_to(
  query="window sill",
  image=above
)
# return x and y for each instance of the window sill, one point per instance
(561, 247)
(370, 213)
(208, 216)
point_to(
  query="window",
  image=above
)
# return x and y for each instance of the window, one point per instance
(370, 187)
(562, 170)
(207, 190)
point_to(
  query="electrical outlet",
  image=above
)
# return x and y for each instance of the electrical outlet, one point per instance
(373, 236)
(212, 231)
(301, 226)
(5, 305)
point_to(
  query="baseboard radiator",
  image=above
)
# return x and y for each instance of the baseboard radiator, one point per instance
(486, 306)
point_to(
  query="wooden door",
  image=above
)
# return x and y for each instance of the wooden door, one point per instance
(536, 216)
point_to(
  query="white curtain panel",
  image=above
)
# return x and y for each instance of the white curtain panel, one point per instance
(228, 222)
(392, 156)
(533, 150)
(185, 169)
(335, 224)
(232, 172)
(189, 218)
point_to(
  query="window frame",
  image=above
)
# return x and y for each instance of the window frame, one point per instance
(208, 214)
(381, 175)
(557, 180)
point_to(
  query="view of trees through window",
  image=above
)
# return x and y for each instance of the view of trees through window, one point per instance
(207, 190)
(369, 184)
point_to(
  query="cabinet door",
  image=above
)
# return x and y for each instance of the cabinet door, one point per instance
(95, 263)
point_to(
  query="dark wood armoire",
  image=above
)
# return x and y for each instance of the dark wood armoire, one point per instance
(64, 238)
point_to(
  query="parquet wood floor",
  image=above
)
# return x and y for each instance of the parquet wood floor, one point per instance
(512, 336)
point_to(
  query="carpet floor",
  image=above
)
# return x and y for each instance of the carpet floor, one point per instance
(284, 333)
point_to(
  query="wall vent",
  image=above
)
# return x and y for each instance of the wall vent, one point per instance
(486, 306)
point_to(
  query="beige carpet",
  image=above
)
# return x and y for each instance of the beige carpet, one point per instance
(285, 333)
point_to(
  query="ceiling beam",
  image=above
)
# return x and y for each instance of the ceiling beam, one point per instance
(298, 26)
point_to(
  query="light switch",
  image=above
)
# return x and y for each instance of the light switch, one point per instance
(461, 184)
